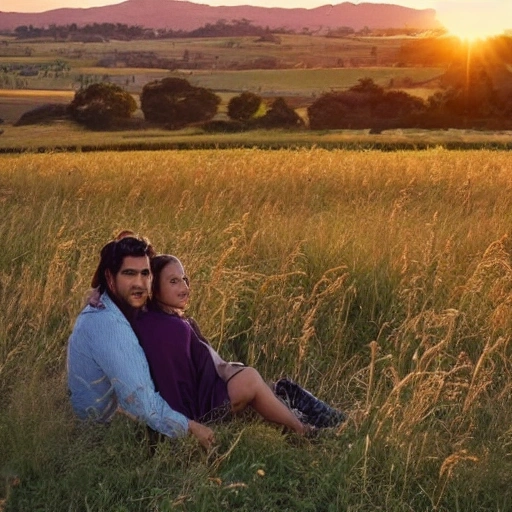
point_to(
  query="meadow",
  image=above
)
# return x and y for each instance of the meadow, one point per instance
(299, 86)
(379, 280)
(292, 50)
(299, 68)
(67, 136)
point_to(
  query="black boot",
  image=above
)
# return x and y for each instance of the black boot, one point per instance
(312, 410)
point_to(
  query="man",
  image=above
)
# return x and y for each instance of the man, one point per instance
(107, 368)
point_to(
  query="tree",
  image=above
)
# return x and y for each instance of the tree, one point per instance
(175, 103)
(328, 112)
(367, 86)
(398, 104)
(280, 115)
(365, 105)
(244, 106)
(102, 105)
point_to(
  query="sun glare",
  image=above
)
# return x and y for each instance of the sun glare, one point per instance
(471, 21)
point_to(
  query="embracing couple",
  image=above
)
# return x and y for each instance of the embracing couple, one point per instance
(134, 350)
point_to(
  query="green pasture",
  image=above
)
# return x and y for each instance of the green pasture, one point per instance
(291, 47)
(302, 85)
(15, 103)
(379, 280)
(303, 65)
(313, 66)
(284, 82)
(67, 136)
(305, 82)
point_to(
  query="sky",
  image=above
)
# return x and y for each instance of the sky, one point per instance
(466, 18)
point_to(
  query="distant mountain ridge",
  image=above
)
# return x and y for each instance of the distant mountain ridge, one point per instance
(184, 15)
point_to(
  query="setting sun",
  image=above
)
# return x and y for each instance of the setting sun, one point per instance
(471, 21)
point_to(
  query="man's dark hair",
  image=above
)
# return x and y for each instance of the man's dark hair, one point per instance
(113, 254)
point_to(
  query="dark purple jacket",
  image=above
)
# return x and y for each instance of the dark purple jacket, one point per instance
(181, 366)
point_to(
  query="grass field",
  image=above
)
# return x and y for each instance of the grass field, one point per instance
(305, 50)
(381, 281)
(304, 65)
(305, 83)
(66, 136)
(300, 68)
(14, 103)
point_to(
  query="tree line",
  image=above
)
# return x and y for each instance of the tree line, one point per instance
(367, 105)
(120, 31)
(174, 103)
(171, 103)
(221, 28)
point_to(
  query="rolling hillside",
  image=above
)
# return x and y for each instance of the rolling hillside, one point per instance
(182, 15)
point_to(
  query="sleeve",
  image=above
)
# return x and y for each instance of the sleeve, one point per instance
(199, 352)
(203, 354)
(197, 331)
(116, 349)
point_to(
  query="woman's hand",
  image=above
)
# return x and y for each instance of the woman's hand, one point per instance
(202, 433)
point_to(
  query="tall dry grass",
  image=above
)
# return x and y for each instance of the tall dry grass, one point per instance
(381, 281)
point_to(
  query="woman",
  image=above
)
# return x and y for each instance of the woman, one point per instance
(190, 375)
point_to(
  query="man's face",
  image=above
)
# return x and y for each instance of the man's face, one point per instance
(133, 281)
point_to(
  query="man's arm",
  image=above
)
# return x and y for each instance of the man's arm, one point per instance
(116, 350)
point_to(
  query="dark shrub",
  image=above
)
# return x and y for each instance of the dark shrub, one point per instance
(221, 126)
(175, 103)
(398, 104)
(244, 106)
(43, 114)
(280, 115)
(102, 105)
(365, 105)
(328, 112)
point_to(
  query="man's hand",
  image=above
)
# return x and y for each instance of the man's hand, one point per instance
(202, 433)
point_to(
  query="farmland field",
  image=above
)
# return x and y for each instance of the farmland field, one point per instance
(14, 103)
(304, 83)
(299, 67)
(66, 136)
(379, 280)
(293, 50)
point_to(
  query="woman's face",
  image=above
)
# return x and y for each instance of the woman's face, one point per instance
(174, 290)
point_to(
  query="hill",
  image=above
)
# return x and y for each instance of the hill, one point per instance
(183, 15)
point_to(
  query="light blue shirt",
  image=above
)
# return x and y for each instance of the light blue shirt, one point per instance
(107, 367)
